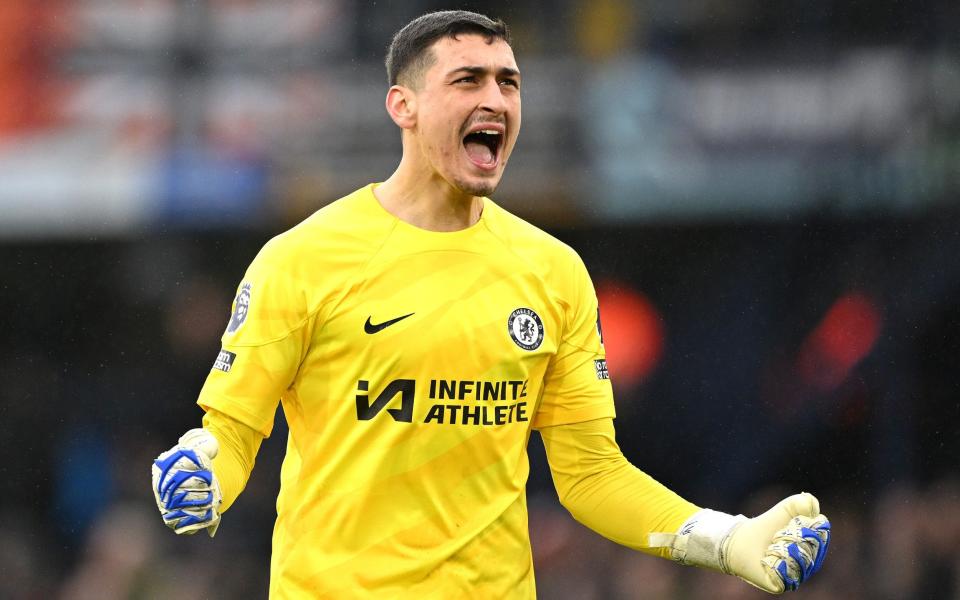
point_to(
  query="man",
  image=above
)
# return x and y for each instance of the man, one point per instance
(415, 333)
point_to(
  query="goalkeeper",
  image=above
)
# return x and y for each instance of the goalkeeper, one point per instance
(415, 334)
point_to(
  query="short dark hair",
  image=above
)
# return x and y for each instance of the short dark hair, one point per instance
(409, 51)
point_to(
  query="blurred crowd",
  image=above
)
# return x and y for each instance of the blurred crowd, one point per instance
(765, 194)
(119, 117)
(106, 349)
(904, 544)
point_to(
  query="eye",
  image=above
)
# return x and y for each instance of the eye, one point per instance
(512, 82)
(467, 79)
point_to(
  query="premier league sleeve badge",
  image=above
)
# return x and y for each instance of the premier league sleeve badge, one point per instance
(241, 306)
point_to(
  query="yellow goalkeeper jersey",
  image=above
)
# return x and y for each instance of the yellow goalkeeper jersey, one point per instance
(411, 366)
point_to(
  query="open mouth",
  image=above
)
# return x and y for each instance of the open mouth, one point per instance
(483, 147)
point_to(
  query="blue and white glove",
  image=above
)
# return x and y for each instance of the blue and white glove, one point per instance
(776, 551)
(184, 486)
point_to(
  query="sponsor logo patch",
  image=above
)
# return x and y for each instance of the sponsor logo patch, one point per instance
(601, 366)
(458, 402)
(526, 328)
(224, 361)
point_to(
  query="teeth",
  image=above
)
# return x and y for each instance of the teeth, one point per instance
(489, 131)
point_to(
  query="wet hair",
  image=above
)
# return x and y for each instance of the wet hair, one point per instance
(409, 54)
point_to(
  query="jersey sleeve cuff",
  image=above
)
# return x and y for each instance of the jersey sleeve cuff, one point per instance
(566, 417)
(208, 400)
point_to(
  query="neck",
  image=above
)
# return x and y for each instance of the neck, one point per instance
(423, 199)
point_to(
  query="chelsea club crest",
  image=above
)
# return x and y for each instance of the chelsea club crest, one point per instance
(526, 328)
(241, 306)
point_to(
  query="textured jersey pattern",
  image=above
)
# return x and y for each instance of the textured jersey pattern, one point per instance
(411, 366)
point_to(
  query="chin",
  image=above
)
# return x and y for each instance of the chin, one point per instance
(477, 187)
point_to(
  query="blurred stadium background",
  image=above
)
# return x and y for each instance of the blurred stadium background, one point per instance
(766, 194)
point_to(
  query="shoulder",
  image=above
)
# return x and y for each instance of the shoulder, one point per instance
(532, 244)
(555, 263)
(312, 263)
(340, 231)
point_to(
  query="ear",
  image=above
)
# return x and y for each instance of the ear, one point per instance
(402, 106)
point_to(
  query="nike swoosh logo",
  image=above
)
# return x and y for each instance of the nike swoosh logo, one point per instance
(371, 328)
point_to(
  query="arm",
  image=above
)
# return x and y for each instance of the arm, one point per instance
(775, 551)
(200, 477)
(234, 462)
(262, 347)
(602, 490)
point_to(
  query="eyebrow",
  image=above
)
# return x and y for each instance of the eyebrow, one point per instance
(477, 70)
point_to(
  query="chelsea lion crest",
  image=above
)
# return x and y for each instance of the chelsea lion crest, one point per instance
(526, 328)
(241, 306)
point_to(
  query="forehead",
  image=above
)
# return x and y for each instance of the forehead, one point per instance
(470, 50)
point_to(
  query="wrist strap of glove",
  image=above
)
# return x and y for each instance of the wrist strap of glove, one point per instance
(702, 539)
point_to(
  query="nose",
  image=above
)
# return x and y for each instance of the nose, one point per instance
(492, 100)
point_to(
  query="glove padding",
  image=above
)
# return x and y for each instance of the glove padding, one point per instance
(184, 486)
(776, 551)
(781, 548)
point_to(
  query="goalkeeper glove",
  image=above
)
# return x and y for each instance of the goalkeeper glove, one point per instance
(184, 486)
(775, 551)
